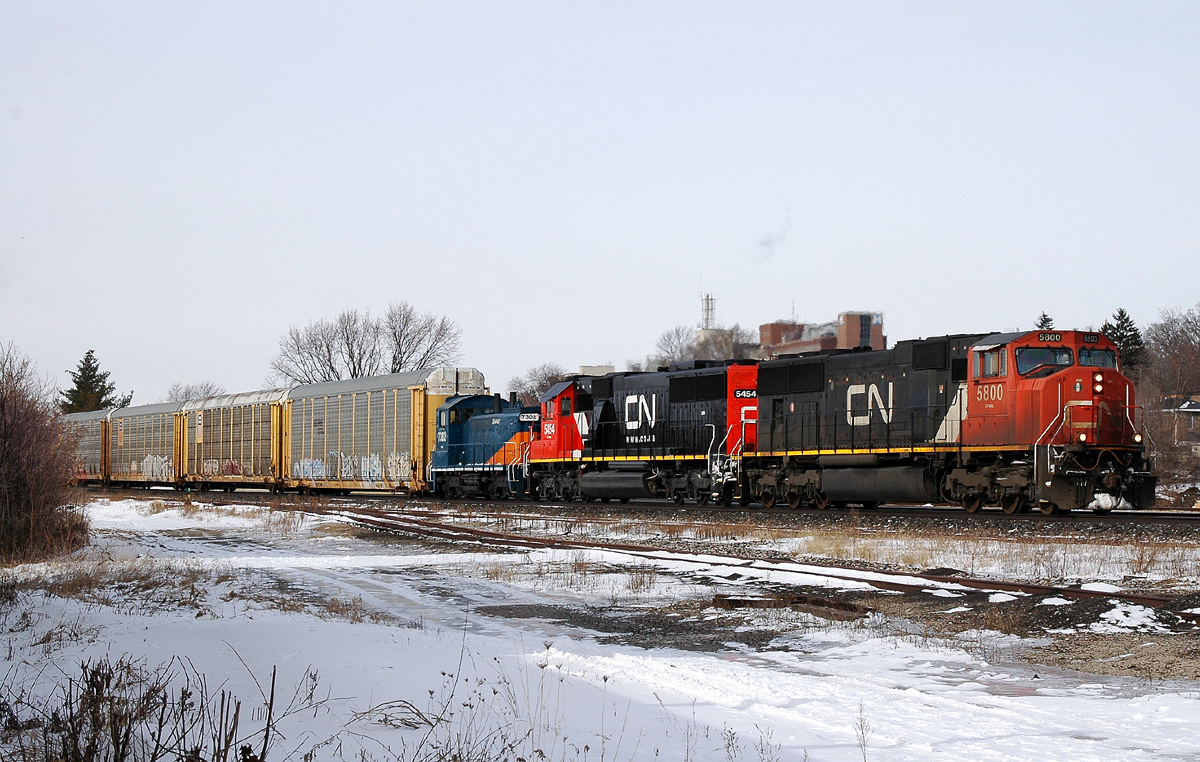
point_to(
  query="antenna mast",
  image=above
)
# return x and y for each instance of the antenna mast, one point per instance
(708, 312)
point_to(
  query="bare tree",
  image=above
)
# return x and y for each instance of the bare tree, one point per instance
(674, 345)
(734, 343)
(1172, 375)
(183, 392)
(306, 355)
(419, 340)
(358, 343)
(536, 381)
(354, 345)
(1173, 344)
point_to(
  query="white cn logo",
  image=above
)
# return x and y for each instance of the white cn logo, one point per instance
(874, 400)
(642, 410)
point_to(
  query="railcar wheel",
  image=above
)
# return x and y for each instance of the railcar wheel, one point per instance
(744, 500)
(1047, 508)
(972, 503)
(604, 500)
(624, 500)
(702, 497)
(870, 505)
(793, 500)
(1011, 504)
(1102, 511)
(768, 499)
(821, 500)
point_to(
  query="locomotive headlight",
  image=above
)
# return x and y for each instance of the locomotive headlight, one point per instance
(1083, 437)
(1137, 438)
(1099, 388)
(1098, 377)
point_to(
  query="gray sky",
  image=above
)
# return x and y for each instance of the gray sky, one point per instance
(180, 182)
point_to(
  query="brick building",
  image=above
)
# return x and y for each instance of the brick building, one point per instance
(852, 329)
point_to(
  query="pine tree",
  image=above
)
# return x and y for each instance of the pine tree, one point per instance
(1125, 334)
(92, 390)
(1044, 322)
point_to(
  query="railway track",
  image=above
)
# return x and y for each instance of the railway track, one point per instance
(1173, 516)
(422, 525)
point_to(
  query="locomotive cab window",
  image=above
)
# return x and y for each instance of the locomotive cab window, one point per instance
(454, 416)
(566, 406)
(1098, 358)
(991, 363)
(1030, 359)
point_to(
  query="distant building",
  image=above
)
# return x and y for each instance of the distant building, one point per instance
(595, 370)
(1185, 412)
(852, 329)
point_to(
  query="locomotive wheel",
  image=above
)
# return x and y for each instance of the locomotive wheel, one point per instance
(972, 503)
(1011, 504)
(744, 500)
(1047, 508)
(768, 499)
(793, 500)
(702, 497)
(677, 498)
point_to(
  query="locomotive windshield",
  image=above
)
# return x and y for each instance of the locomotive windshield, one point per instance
(1098, 358)
(1030, 359)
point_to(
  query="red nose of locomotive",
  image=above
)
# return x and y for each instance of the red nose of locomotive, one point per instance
(1105, 416)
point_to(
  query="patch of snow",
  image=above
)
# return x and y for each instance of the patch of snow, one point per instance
(1100, 587)
(1128, 617)
(1055, 601)
(1001, 597)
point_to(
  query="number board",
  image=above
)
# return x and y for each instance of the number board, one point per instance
(1091, 338)
(1049, 337)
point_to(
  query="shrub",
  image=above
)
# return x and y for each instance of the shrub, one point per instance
(36, 454)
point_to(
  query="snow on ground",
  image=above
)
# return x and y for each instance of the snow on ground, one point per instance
(563, 686)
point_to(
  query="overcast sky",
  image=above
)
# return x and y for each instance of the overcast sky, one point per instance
(180, 182)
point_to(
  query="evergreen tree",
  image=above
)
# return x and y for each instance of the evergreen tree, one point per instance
(1044, 322)
(92, 390)
(1125, 334)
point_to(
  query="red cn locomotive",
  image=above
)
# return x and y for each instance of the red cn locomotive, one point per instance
(1019, 420)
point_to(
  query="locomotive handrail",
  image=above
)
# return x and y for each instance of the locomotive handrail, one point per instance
(712, 441)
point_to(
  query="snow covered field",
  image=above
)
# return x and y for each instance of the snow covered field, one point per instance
(374, 622)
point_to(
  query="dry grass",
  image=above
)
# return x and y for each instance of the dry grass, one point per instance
(641, 578)
(350, 609)
(140, 585)
(281, 523)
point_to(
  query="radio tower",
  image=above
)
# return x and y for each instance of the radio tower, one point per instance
(708, 312)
